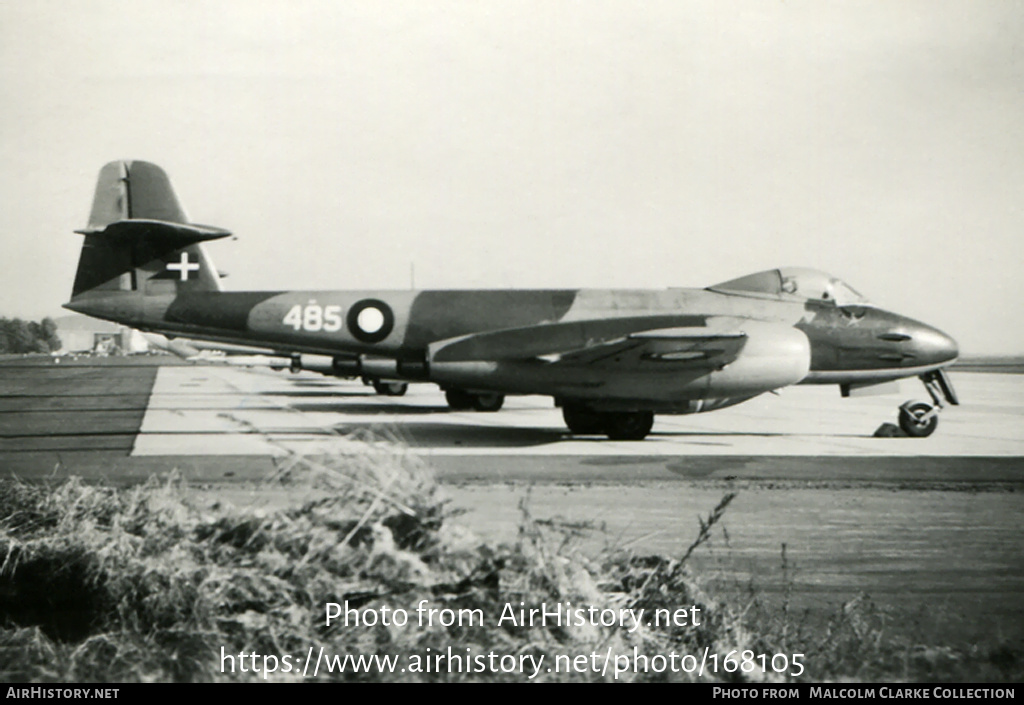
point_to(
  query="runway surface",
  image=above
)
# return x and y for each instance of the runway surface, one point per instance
(237, 412)
(930, 528)
(217, 417)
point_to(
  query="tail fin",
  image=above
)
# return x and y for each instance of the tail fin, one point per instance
(139, 238)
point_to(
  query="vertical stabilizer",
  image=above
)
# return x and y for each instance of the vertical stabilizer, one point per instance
(110, 204)
(134, 190)
(139, 239)
(150, 196)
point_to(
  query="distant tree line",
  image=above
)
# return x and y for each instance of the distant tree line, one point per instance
(18, 336)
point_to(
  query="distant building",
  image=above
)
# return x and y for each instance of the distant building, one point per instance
(81, 334)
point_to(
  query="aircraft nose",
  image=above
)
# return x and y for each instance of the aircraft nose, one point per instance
(933, 347)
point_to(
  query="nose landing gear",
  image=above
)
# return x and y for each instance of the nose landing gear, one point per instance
(919, 419)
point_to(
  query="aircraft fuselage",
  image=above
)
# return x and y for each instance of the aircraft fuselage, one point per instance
(847, 344)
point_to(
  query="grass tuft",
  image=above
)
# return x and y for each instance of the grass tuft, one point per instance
(151, 583)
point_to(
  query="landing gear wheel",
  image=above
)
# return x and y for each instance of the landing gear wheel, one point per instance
(488, 402)
(628, 425)
(390, 389)
(582, 420)
(458, 400)
(918, 419)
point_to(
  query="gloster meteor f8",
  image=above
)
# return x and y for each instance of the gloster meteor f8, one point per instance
(611, 359)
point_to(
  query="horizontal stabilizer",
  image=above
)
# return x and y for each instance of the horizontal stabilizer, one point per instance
(176, 234)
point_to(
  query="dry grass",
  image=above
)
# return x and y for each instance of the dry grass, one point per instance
(148, 583)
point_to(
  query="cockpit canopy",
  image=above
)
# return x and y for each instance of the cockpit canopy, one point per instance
(793, 284)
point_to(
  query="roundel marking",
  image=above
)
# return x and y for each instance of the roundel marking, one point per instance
(370, 320)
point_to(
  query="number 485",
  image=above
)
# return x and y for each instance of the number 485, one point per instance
(313, 317)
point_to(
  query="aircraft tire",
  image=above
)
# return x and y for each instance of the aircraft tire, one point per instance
(488, 402)
(391, 389)
(628, 425)
(911, 422)
(582, 421)
(458, 400)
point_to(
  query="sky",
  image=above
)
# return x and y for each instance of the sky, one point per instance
(446, 144)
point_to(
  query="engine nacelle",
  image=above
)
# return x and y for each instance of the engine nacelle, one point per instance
(774, 355)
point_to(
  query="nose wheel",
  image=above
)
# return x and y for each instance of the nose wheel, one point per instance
(919, 419)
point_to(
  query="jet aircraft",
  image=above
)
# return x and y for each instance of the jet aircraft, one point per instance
(611, 359)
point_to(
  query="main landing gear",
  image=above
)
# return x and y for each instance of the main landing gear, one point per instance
(387, 388)
(617, 425)
(460, 400)
(390, 389)
(919, 419)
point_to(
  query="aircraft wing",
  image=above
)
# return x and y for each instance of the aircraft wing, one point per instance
(627, 343)
(224, 353)
(679, 347)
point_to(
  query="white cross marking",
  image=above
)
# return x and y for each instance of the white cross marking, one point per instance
(184, 267)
